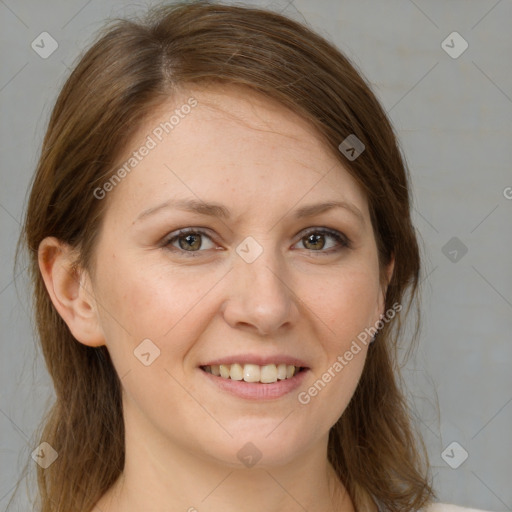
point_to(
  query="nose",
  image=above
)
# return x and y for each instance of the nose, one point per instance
(261, 297)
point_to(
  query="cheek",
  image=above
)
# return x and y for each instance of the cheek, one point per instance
(329, 390)
(346, 303)
(150, 302)
(343, 307)
(141, 301)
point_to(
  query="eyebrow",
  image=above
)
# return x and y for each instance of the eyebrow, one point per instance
(220, 211)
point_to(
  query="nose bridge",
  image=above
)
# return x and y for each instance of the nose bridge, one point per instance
(263, 272)
(260, 297)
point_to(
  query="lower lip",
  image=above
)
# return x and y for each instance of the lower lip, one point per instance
(256, 390)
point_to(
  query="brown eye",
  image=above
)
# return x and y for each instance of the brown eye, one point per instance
(314, 241)
(317, 240)
(189, 242)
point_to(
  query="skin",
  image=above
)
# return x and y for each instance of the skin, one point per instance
(262, 162)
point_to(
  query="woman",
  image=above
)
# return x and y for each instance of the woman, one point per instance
(221, 249)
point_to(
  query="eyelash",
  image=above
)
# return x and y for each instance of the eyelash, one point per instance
(343, 241)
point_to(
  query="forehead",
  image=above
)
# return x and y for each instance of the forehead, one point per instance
(234, 112)
(231, 141)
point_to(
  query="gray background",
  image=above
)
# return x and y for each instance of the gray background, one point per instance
(454, 119)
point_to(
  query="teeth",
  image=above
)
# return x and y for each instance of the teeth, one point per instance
(224, 370)
(236, 372)
(251, 373)
(266, 374)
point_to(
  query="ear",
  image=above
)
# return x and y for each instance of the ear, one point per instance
(70, 291)
(388, 274)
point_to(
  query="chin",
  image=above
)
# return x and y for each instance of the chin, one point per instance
(256, 448)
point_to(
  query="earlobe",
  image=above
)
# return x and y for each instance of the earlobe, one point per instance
(70, 291)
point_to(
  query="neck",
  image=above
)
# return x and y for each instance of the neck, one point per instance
(160, 476)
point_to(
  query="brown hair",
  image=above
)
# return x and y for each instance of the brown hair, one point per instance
(133, 68)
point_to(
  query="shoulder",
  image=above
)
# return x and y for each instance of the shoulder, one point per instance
(448, 507)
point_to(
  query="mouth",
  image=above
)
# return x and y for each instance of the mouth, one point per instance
(253, 373)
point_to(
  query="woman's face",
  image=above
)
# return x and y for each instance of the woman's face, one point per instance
(268, 273)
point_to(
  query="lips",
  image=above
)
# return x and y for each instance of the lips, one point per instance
(257, 377)
(256, 391)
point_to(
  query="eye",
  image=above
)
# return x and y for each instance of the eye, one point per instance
(315, 240)
(188, 240)
(191, 241)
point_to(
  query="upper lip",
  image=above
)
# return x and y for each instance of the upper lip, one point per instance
(257, 359)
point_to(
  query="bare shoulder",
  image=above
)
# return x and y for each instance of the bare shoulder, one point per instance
(448, 507)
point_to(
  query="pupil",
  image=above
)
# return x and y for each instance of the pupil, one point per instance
(313, 239)
(190, 241)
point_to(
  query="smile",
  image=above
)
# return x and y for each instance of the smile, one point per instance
(266, 374)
